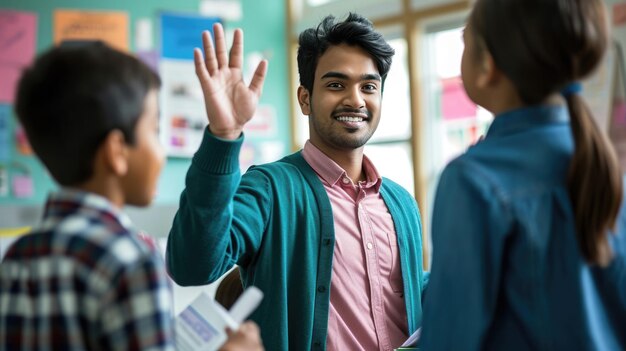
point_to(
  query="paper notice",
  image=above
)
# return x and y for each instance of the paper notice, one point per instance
(202, 325)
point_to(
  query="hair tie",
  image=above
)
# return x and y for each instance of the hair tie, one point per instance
(571, 89)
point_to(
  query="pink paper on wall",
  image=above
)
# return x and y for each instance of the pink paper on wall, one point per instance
(23, 186)
(454, 101)
(619, 113)
(17, 36)
(17, 48)
(619, 14)
(8, 83)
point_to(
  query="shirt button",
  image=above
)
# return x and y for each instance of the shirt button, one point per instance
(369, 246)
(317, 344)
(321, 288)
(327, 242)
(345, 180)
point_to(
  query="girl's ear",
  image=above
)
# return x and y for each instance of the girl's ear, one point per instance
(489, 73)
(115, 153)
(304, 99)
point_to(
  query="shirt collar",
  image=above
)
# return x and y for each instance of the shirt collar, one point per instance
(69, 200)
(332, 173)
(524, 118)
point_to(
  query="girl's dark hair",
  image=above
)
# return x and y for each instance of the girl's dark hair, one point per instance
(72, 97)
(542, 46)
(355, 31)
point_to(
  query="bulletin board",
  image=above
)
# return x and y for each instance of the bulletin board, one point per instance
(264, 28)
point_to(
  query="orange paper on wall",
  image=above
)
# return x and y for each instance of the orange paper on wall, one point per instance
(108, 26)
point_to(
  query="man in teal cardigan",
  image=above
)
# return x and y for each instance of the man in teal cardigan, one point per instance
(325, 238)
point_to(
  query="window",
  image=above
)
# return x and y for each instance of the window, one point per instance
(452, 122)
(390, 147)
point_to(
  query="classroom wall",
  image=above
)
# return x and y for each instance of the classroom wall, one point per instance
(263, 23)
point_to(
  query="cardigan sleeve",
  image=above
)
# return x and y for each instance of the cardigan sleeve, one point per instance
(221, 217)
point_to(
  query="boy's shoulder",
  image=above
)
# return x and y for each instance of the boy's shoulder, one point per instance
(83, 241)
(83, 229)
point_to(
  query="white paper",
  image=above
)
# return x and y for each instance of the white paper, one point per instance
(412, 340)
(246, 304)
(229, 10)
(202, 325)
(143, 34)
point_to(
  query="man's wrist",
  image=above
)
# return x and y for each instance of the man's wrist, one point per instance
(226, 134)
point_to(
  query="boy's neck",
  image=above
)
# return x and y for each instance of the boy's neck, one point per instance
(107, 188)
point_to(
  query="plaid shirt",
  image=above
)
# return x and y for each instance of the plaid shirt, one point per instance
(84, 280)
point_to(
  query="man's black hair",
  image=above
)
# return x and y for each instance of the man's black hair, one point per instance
(355, 31)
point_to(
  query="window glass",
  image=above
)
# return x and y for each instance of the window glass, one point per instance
(395, 122)
(394, 161)
(318, 2)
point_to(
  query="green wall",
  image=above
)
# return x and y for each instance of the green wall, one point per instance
(263, 23)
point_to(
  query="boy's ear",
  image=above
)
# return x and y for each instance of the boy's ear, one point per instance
(115, 153)
(304, 99)
(489, 73)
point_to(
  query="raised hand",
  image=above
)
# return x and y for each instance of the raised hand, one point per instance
(229, 103)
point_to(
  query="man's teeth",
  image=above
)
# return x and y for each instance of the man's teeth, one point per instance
(350, 119)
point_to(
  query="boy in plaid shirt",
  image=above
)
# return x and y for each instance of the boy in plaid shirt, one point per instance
(84, 279)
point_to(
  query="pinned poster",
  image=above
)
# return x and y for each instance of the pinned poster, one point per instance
(182, 106)
(17, 48)
(263, 123)
(229, 10)
(110, 27)
(23, 186)
(180, 34)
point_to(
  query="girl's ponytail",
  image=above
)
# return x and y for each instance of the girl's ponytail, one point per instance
(594, 182)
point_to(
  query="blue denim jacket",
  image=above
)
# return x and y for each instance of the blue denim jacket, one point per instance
(507, 273)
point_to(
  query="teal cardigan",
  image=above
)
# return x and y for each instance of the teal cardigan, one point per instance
(276, 223)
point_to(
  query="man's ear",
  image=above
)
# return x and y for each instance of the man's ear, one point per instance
(489, 73)
(304, 99)
(115, 153)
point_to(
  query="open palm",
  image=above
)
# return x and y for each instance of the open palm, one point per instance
(229, 103)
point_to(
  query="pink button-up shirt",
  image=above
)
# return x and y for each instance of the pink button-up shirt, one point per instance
(367, 309)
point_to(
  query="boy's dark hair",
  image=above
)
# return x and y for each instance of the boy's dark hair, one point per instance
(72, 97)
(541, 46)
(355, 31)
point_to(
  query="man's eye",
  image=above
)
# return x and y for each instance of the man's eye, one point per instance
(370, 87)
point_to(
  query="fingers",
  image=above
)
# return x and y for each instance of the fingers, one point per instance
(247, 338)
(250, 328)
(236, 51)
(220, 46)
(209, 54)
(201, 69)
(256, 84)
